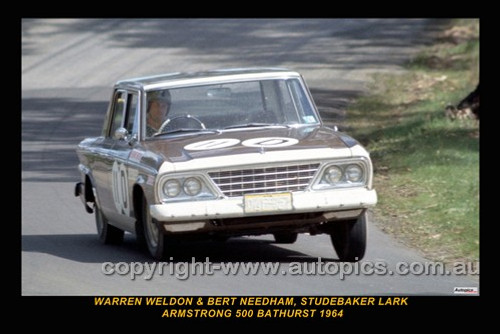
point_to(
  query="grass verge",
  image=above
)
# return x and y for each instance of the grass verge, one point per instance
(426, 165)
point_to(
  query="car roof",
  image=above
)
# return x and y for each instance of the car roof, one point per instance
(178, 79)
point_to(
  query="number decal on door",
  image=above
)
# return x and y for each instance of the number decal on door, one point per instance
(119, 184)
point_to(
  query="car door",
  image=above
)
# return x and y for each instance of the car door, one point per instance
(114, 191)
(123, 175)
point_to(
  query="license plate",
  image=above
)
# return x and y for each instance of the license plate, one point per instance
(268, 202)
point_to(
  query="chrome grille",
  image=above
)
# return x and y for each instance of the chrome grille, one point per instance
(241, 182)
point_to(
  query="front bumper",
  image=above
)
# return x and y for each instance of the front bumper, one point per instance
(191, 216)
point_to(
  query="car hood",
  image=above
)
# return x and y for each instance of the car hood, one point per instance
(189, 146)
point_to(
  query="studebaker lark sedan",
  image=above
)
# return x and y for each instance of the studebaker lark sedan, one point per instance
(220, 154)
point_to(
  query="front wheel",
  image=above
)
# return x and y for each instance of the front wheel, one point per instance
(107, 233)
(349, 239)
(154, 237)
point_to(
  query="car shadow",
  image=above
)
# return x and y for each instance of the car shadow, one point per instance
(88, 249)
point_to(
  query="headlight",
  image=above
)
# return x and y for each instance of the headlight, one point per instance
(333, 174)
(343, 174)
(354, 173)
(184, 187)
(172, 188)
(192, 186)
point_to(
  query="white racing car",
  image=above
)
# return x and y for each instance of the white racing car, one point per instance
(220, 154)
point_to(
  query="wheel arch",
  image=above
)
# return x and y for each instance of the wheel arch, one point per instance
(137, 195)
(89, 192)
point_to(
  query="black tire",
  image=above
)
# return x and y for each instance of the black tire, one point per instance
(349, 239)
(108, 234)
(154, 237)
(139, 229)
(285, 237)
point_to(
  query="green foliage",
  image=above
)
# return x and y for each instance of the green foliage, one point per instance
(426, 165)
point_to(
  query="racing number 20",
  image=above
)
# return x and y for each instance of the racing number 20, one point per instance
(120, 187)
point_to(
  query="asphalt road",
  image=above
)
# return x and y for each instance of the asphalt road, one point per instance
(68, 69)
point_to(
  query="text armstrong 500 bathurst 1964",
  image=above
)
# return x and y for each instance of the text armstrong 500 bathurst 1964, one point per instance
(220, 154)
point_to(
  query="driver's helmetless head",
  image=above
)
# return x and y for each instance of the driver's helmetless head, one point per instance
(158, 105)
(160, 97)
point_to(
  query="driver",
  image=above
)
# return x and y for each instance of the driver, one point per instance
(158, 106)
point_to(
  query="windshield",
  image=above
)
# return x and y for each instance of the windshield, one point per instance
(229, 106)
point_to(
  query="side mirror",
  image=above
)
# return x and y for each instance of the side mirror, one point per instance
(132, 139)
(120, 134)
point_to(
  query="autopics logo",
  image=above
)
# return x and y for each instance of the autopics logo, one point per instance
(466, 291)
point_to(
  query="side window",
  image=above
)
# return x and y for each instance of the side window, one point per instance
(302, 105)
(132, 122)
(119, 105)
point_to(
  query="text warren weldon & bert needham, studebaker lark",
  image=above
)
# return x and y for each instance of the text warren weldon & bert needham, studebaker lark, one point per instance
(220, 154)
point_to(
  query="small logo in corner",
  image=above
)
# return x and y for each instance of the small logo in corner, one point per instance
(466, 290)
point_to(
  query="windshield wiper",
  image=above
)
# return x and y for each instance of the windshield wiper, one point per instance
(252, 125)
(184, 130)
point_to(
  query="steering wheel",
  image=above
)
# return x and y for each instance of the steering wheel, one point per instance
(189, 117)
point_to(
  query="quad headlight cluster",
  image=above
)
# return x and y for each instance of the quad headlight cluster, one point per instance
(344, 174)
(178, 188)
(197, 186)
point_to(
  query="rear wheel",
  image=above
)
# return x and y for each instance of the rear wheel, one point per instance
(154, 237)
(107, 233)
(349, 239)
